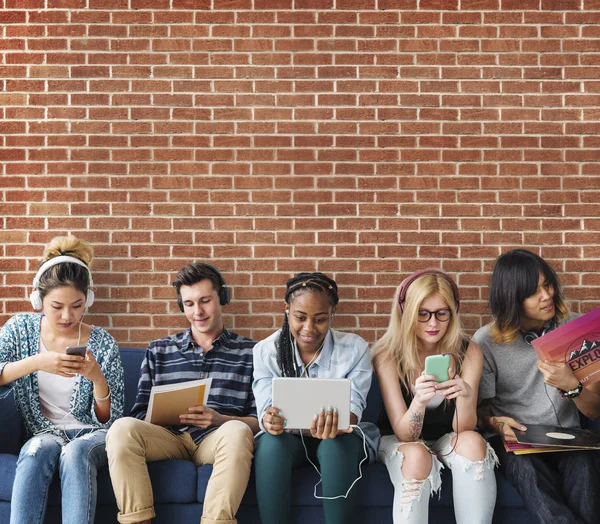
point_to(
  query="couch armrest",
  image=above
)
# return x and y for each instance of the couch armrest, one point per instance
(11, 429)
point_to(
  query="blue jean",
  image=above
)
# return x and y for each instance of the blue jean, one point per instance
(561, 488)
(78, 457)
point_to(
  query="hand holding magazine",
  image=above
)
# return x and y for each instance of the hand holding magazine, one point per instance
(577, 343)
(171, 400)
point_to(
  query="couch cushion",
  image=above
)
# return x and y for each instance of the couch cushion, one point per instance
(173, 481)
(374, 402)
(374, 489)
(132, 359)
(11, 430)
(8, 466)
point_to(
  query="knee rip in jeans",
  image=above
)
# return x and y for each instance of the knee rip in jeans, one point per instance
(412, 490)
(89, 435)
(489, 462)
(34, 445)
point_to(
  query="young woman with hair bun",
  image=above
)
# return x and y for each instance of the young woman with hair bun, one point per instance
(66, 401)
(307, 346)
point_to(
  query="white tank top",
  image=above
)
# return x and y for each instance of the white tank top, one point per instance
(55, 397)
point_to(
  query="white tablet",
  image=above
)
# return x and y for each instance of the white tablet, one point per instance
(300, 399)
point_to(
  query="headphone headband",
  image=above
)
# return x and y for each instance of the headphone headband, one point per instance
(412, 277)
(59, 260)
(224, 292)
(35, 298)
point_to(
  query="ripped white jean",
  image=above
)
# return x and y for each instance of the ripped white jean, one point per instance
(474, 482)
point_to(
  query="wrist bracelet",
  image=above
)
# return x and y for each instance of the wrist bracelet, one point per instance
(573, 393)
(103, 399)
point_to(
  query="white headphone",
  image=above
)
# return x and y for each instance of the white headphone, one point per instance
(34, 297)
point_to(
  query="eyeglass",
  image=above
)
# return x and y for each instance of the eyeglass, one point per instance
(442, 315)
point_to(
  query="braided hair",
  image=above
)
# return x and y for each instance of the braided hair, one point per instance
(301, 283)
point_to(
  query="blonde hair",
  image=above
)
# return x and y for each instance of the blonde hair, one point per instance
(66, 273)
(399, 345)
(70, 246)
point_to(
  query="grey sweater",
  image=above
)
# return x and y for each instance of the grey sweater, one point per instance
(515, 387)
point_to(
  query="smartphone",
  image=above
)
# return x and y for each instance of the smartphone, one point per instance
(76, 350)
(439, 366)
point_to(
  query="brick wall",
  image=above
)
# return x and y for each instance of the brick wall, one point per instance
(362, 138)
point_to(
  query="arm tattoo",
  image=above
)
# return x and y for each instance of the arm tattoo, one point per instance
(415, 424)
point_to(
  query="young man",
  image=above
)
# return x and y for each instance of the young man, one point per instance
(220, 433)
(517, 389)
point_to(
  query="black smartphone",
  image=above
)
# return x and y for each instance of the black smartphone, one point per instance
(76, 350)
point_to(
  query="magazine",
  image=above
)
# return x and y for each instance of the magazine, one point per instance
(577, 343)
(528, 449)
(171, 400)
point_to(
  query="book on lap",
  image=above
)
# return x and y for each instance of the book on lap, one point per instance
(171, 400)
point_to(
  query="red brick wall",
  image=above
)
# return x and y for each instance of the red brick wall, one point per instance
(362, 138)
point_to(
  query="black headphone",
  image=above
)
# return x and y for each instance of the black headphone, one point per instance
(530, 336)
(224, 292)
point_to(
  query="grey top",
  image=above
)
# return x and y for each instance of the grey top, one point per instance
(515, 387)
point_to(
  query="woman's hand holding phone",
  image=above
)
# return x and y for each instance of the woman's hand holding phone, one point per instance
(424, 389)
(91, 369)
(59, 363)
(454, 388)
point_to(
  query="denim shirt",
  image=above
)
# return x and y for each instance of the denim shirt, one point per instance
(344, 355)
(19, 339)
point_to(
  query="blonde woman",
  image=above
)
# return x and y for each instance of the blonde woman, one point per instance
(66, 401)
(426, 423)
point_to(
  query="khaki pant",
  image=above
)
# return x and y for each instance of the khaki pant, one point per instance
(131, 443)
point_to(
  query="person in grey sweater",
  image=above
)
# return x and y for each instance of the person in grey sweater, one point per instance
(517, 389)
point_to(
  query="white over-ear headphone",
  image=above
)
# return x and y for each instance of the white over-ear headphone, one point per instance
(34, 297)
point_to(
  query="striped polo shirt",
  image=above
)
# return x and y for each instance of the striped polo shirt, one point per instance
(177, 358)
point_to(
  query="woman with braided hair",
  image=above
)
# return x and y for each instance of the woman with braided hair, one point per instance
(307, 346)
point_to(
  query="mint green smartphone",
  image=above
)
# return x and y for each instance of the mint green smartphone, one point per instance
(439, 366)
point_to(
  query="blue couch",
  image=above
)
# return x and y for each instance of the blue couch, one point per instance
(179, 486)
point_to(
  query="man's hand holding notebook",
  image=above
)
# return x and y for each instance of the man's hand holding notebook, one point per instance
(171, 400)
